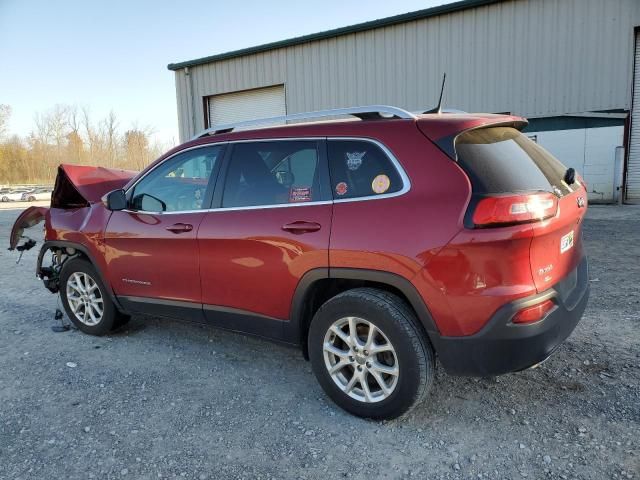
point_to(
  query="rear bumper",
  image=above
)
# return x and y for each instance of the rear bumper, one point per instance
(503, 347)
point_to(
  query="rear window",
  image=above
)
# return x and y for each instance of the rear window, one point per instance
(503, 160)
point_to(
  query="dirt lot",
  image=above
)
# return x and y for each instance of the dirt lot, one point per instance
(163, 399)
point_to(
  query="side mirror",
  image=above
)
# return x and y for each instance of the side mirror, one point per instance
(148, 203)
(115, 200)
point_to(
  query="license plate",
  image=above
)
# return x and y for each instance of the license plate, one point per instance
(566, 242)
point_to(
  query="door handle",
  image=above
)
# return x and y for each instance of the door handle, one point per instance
(301, 227)
(180, 228)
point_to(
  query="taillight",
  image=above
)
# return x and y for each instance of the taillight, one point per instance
(513, 209)
(534, 313)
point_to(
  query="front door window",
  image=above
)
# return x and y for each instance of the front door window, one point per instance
(179, 184)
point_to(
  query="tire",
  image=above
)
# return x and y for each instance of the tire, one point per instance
(79, 272)
(5, 199)
(410, 357)
(31, 199)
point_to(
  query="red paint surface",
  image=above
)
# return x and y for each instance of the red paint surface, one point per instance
(145, 259)
(247, 261)
(93, 182)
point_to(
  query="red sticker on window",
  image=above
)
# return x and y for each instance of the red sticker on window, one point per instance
(341, 188)
(299, 194)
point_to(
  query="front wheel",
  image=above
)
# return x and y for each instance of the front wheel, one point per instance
(369, 355)
(32, 199)
(5, 199)
(86, 300)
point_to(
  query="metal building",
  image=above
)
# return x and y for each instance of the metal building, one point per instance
(570, 66)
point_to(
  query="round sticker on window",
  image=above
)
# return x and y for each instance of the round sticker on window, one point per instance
(341, 188)
(380, 184)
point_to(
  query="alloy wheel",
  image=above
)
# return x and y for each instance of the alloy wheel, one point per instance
(360, 359)
(85, 298)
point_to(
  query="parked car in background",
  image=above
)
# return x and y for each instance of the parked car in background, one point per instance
(13, 195)
(42, 193)
(374, 245)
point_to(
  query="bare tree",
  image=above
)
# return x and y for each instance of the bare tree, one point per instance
(5, 114)
(66, 134)
(111, 138)
(75, 144)
(137, 148)
(91, 135)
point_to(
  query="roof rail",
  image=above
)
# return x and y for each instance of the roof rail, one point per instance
(363, 113)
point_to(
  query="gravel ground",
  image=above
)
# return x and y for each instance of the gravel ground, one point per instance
(163, 399)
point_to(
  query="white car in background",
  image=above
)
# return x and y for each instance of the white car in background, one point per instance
(37, 194)
(13, 196)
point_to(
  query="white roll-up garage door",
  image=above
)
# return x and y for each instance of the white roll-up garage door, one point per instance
(247, 105)
(633, 167)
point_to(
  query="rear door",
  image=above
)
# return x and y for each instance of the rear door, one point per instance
(362, 170)
(151, 247)
(269, 226)
(502, 161)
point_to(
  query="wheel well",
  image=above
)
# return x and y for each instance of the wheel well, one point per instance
(63, 252)
(324, 289)
(69, 252)
(60, 255)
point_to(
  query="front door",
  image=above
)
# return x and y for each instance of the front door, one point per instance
(270, 227)
(151, 247)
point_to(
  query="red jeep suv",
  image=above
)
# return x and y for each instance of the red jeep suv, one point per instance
(375, 243)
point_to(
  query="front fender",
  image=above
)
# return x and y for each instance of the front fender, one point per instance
(30, 217)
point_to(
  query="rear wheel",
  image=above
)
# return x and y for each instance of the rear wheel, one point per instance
(369, 355)
(5, 199)
(86, 300)
(32, 199)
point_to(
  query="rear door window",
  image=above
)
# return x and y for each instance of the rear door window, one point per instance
(359, 168)
(503, 160)
(272, 173)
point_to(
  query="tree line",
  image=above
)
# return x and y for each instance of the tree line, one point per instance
(69, 134)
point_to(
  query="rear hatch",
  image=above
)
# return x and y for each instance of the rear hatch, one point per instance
(515, 181)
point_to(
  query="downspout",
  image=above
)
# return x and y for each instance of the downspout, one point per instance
(626, 142)
(192, 110)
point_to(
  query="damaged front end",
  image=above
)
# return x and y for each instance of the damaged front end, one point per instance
(75, 220)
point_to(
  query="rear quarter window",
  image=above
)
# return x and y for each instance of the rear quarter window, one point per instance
(360, 168)
(503, 160)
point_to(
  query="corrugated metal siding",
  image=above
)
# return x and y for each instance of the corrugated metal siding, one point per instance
(633, 165)
(530, 57)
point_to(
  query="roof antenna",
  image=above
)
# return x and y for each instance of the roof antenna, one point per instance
(438, 109)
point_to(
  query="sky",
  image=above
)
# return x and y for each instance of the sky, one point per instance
(113, 54)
